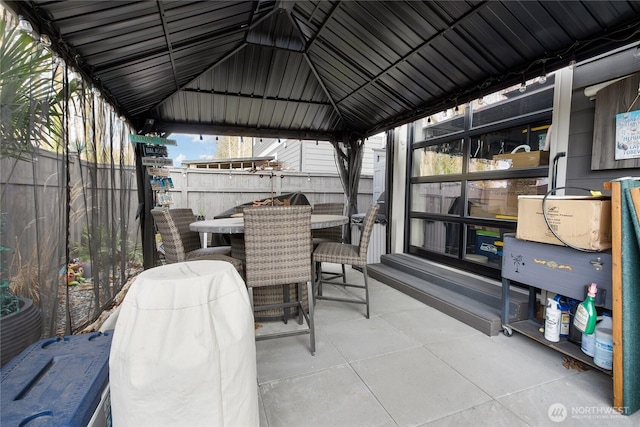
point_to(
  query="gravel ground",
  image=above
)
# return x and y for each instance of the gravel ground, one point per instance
(82, 305)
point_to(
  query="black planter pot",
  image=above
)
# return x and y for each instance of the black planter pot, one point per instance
(19, 330)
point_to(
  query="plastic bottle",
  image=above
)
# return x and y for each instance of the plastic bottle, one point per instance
(552, 320)
(588, 342)
(575, 336)
(586, 316)
(603, 354)
(565, 317)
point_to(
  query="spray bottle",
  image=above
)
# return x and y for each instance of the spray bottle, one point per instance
(564, 305)
(586, 316)
(552, 321)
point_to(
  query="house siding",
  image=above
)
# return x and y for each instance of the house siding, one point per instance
(579, 173)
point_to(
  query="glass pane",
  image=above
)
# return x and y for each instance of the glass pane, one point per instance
(443, 123)
(437, 197)
(485, 245)
(495, 150)
(435, 236)
(512, 103)
(499, 198)
(439, 159)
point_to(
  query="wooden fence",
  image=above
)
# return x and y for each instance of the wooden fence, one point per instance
(53, 201)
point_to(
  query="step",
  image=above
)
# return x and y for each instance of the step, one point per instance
(472, 300)
(484, 290)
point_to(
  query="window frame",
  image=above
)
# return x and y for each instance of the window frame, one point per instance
(465, 220)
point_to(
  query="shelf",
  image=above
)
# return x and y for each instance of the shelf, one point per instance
(530, 328)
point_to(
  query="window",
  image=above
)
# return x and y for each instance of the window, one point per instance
(468, 168)
(438, 159)
(516, 147)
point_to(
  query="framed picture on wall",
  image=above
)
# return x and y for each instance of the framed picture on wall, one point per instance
(628, 135)
(616, 127)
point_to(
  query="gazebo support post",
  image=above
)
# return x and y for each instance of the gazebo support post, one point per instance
(349, 152)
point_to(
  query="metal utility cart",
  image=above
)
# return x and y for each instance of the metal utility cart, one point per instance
(557, 269)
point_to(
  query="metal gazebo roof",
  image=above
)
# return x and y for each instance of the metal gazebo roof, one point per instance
(316, 69)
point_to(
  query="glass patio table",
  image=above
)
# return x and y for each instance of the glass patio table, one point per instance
(235, 225)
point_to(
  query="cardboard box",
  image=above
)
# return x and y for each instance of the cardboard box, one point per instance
(525, 159)
(581, 221)
(504, 200)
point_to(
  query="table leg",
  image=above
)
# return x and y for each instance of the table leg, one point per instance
(204, 239)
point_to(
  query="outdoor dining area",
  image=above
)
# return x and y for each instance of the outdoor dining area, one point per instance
(264, 285)
(409, 364)
(126, 303)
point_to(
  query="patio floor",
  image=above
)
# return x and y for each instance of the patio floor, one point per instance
(411, 365)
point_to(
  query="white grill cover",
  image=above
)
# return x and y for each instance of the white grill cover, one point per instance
(183, 350)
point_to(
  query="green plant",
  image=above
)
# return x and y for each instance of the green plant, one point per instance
(100, 246)
(25, 95)
(8, 300)
(25, 109)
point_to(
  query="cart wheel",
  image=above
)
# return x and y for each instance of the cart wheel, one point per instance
(507, 331)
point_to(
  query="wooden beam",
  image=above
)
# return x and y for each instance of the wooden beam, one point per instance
(616, 289)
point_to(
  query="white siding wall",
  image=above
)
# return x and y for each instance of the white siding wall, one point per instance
(307, 156)
(318, 158)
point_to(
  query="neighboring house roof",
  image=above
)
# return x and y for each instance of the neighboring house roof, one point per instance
(316, 69)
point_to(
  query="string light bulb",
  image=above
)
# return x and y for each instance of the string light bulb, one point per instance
(543, 77)
(25, 26)
(45, 40)
(523, 85)
(200, 137)
(429, 120)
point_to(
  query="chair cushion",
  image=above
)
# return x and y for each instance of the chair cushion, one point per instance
(221, 257)
(338, 253)
(225, 250)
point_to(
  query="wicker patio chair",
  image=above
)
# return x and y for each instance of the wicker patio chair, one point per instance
(182, 244)
(277, 247)
(331, 234)
(339, 253)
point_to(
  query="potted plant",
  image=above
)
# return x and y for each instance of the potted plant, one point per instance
(29, 106)
(20, 317)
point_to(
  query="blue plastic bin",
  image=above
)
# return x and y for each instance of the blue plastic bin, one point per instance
(485, 244)
(56, 382)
